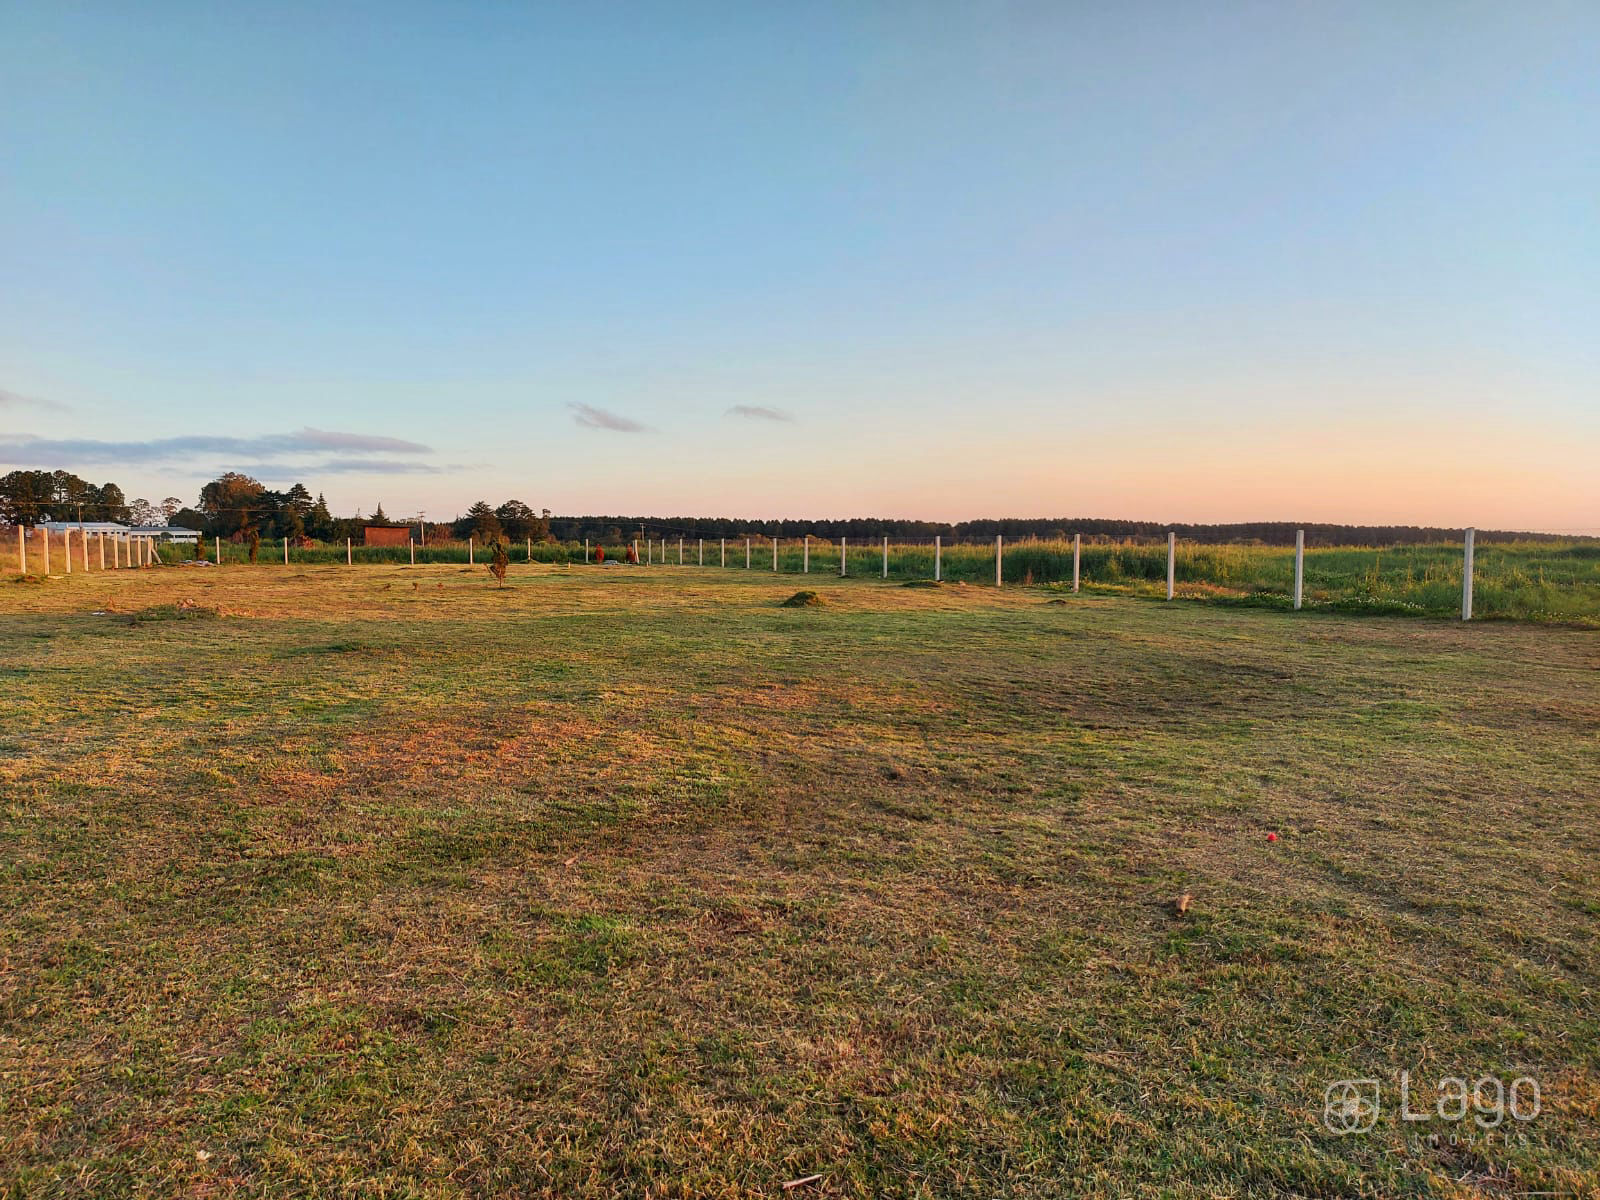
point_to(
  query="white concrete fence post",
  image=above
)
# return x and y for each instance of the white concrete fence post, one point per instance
(219, 551)
(701, 551)
(45, 533)
(843, 558)
(349, 553)
(66, 548)
(530, 549)
(1172, 562)
(886, 558)
(1077, 547)
(680, 552)
(102, 540)
(413, 544)
(286, 552)
(22, 552)
(805, 556)
(747, 554)
(774, 556)
(83, 540)
(472, 551)
(585, 549)
(724, 551)
(1299, 567)
(938, 557)
(999, 558)
(1466, 574)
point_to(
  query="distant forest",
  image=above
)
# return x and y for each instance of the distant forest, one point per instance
(238, 506)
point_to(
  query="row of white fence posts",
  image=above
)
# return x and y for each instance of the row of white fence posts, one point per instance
(143, 547)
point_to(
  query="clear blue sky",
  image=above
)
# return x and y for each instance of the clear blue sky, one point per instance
(1172, 261)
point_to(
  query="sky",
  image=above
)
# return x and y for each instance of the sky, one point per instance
(1166, 261)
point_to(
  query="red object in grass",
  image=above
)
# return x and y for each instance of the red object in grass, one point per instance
(599, 554)
(1272, 837)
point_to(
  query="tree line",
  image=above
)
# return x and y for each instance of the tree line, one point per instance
(28, 497)
(237, 506)
(1270, 533)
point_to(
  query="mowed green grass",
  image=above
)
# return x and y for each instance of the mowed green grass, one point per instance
(387, 882)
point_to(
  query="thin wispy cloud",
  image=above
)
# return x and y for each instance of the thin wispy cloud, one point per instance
(10, 400)
(342, 466)
(54, 451)
(591, 417)
(326, 439)
(759, 412)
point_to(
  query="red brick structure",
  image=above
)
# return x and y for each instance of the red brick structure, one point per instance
(386, 535)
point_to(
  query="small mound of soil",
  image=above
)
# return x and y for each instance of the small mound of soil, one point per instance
(802, 600)
(922, 583)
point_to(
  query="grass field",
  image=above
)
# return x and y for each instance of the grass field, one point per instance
(386, 882)
(1540, 581)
